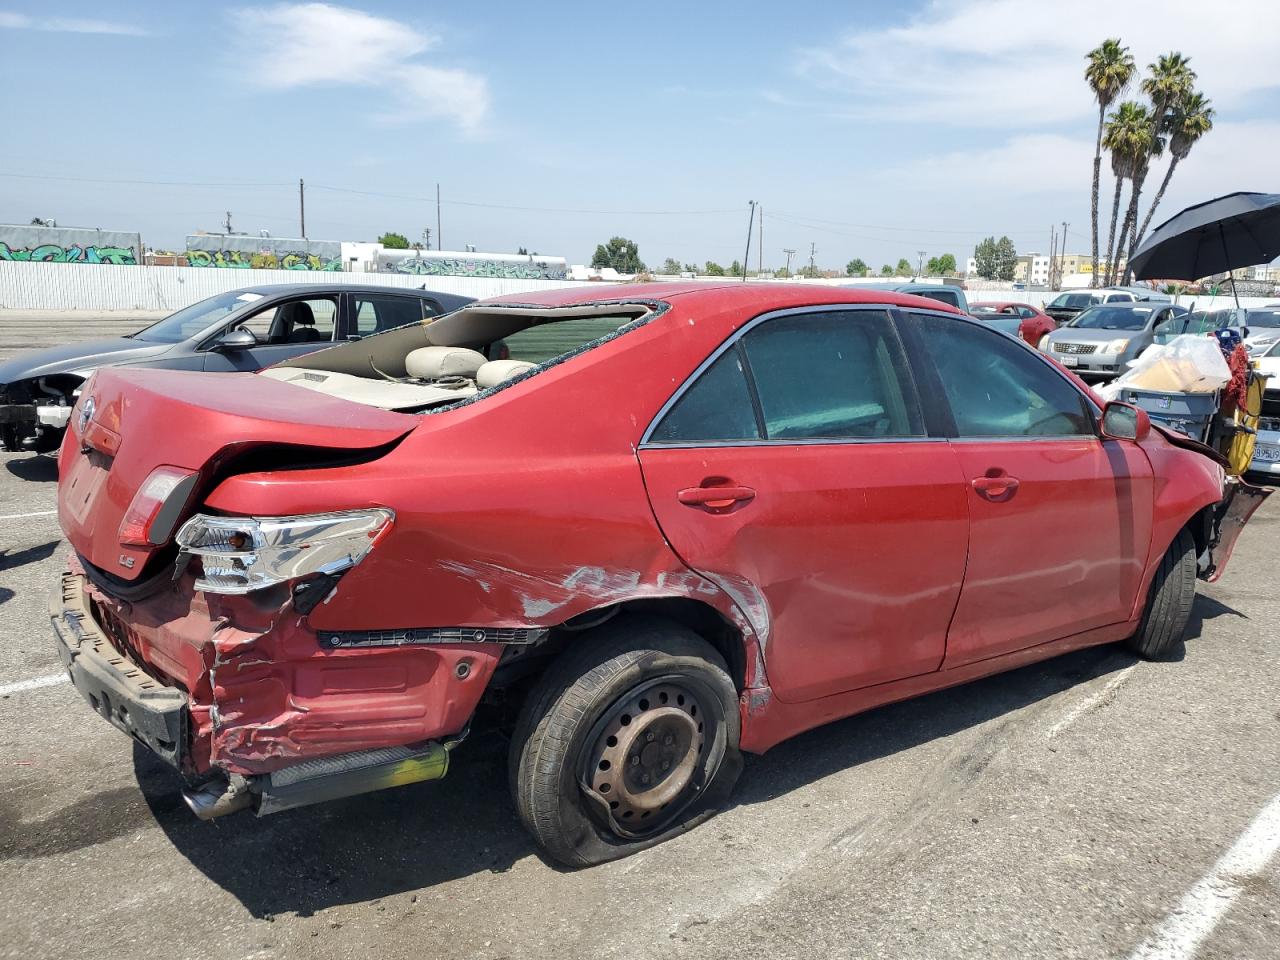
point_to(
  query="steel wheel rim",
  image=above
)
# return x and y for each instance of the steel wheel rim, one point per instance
(645, 760)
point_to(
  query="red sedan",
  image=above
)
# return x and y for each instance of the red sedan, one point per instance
(1035, 325)
(666, 524)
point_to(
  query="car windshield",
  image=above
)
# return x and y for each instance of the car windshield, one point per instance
(1074, 301)
(1113, 318)
(189, 321)
(1263, 318)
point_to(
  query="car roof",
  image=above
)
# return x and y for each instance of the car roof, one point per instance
(294, 289)
(718, 295)
(999, 303)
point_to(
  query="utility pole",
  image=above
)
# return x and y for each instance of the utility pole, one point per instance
(439, 233)
(920, 262)
(1053, 253)
(759, 246)
(227, 225)
(790, 252)
(746, 257)
(302, 208)
(813, 249)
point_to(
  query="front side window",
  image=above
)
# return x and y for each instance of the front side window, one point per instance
(810, 376)
(995, 388)
(942, 296)
(295, 321)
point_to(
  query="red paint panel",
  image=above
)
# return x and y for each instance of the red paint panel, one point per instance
(849, 555)
(1063, 551)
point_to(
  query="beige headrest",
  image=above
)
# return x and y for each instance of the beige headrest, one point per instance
(432, 363)
(496, 371)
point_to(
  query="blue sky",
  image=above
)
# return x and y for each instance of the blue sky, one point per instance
(869, 129)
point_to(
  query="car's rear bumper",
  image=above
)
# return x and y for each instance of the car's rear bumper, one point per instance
(117, 688)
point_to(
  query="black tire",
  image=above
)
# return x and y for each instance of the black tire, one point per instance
(567, 717)
(1173, 590)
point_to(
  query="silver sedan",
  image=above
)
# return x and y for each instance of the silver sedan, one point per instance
(1103, 339)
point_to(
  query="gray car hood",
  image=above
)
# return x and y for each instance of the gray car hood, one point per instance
(78, 356)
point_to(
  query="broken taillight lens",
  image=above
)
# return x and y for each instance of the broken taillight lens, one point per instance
(156, 507)
(243, 554)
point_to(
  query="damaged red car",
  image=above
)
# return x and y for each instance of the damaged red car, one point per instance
(654, 526)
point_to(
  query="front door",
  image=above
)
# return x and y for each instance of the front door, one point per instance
(284, 330)
(794, 471)
(1060, 519)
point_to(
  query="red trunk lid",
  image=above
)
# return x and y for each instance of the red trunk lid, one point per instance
(142, 419)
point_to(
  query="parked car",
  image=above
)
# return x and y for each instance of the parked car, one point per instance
(947, 293)
(1032, 325)
(238, 330)
(1202, 323)
(1266, 452)
(1104, 338)
(719, 516)
(1065, 307)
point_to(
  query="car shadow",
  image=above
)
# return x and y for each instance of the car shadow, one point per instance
(19, 558)
(399, 841)
(40, 468)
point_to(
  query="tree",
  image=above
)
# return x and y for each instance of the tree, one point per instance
(713, 269)
(522, 252)
(735, 269)
(1192, 118)
(782, 272)
(1006, 259)
(942, 266)
(1110, 69)
(903, 269)
(984, 257)
(394, 241)
(886, 271)
(670, 265)
(620, 253)
(1129, 133)
(856, 268)
(690, 268)
(1169, 79)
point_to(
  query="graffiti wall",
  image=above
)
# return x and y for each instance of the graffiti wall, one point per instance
(494, 266)
(243, 252)
(67, 245)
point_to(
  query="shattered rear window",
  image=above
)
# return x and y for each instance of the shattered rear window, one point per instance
(541, 343)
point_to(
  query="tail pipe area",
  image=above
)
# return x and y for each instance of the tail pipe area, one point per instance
(316, 781)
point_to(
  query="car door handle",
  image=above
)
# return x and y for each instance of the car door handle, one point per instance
(996, 488)
(714, 498)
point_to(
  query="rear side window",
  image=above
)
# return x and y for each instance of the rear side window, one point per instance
(716, 407)
(942, 296)
(831, 375)
(811, 376)
(996, 388)
(375, 313)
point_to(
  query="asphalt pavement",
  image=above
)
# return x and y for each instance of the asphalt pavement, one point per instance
(1091, 806)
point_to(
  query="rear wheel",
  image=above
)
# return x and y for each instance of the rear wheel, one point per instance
(630, 738)
(1173, 590)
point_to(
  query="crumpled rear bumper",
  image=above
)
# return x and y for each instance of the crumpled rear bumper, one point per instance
(116, 687)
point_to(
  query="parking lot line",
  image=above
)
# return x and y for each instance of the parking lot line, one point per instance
(1199, 911)
(35, 683)
(23, 516)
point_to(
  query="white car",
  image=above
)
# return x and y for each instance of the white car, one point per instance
(1266, 455)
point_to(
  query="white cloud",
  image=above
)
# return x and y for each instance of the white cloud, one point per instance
(313, 44)
(20, 21)
(1004, 62)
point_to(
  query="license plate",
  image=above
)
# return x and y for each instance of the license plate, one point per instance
(1267, 452)
(1069, 361)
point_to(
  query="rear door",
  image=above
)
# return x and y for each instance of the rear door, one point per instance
(1060, 519)
(793, 469)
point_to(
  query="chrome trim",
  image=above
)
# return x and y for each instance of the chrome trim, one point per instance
(797, 442)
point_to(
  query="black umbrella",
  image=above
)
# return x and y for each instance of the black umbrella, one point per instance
(1238, 230)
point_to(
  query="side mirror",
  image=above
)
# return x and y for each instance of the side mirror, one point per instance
(237, 339)
(1124, 421)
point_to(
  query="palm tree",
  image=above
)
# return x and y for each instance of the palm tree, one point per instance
(1125, 136)
(1110, 69)
(1169, 79)
(1191, 119)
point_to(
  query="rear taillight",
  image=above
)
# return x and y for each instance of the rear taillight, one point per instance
(156, 507)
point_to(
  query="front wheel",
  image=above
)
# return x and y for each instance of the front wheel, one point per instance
(630, 738)
(1173, 590)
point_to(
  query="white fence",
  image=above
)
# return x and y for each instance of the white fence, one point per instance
(106, 288)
